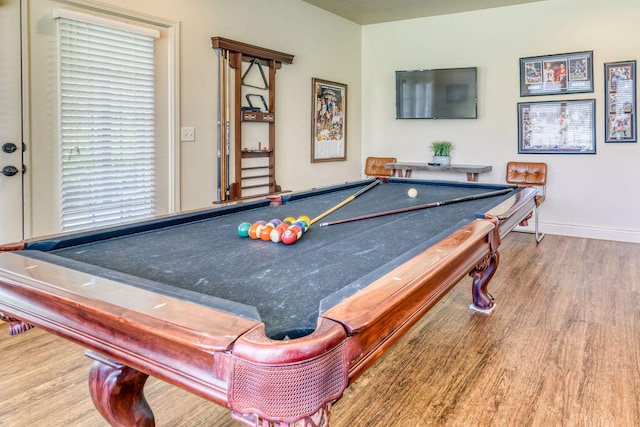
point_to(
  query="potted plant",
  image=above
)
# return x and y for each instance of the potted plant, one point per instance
(442, 152)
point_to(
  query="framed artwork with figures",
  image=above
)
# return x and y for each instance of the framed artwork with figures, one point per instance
(328, 121)
(556, 74)
(620, 102)
(557, 127)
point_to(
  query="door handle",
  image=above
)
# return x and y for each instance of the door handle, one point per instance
(9, 170)
(9, 147)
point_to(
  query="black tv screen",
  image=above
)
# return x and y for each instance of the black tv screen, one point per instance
(449, 93)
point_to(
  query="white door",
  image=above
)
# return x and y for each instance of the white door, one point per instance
(11, 220)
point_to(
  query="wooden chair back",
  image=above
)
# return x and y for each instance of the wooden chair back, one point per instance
(527, 173)
(374, 166)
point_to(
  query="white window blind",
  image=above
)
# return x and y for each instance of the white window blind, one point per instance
(106, 86)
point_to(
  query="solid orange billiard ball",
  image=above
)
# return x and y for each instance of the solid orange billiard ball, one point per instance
(253, 231)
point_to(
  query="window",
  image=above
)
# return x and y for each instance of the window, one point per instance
(107, 121)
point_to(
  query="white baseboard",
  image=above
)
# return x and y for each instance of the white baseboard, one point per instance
(585, 232)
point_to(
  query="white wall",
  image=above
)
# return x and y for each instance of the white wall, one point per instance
(587, 195)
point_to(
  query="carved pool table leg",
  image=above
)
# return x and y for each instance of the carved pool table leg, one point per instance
(16, 326)
(482, 274)
(117, 392)
(319, 419)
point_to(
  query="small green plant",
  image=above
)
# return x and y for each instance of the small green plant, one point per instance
(442, 148)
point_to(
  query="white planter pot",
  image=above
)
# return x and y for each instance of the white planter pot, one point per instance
(442, 160)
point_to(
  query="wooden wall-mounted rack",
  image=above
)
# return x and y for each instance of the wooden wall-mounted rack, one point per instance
(231, 55)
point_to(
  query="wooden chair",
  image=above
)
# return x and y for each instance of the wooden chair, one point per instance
(526, 174)
(375, 166)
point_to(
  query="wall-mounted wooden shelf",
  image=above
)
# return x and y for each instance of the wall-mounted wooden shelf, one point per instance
(248, 154)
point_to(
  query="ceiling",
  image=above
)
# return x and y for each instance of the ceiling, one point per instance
(376, 11)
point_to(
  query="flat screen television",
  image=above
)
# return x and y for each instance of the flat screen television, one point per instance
(448, 93)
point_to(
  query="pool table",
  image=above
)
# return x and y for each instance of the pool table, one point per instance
(274, 332)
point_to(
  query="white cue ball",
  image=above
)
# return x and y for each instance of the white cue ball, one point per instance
(412, 193)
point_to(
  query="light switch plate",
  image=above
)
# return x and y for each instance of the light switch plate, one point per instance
(187, 134)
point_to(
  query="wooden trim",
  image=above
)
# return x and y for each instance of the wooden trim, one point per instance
(251, 51)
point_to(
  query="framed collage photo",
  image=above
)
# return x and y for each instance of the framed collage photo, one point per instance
(556, 74)
(557, 127)
(328, 121)
(620, 102)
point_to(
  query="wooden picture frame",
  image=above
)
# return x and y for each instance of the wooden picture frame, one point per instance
(556, 74)
(557, 127)
(328, 121)
(620, 122)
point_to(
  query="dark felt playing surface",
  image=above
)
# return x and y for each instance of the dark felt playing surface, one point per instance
(287, 287)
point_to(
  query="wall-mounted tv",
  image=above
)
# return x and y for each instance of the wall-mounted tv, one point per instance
(448, 93)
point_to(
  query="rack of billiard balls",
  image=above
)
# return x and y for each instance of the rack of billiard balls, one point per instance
(287, 231)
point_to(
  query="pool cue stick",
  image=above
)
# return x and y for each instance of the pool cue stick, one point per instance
(226, 121)
(219, 147)
(418, 207)
(344, 202)
(223, 134)
(223, 108)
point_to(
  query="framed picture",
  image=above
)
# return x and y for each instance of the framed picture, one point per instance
(556, 74)
(557, 127)
(328, 121)
(620, 102)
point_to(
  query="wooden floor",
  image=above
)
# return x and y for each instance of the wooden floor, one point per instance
(561, 348)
